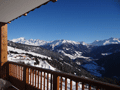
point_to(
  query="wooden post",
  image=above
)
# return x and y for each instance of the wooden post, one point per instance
(3, 43)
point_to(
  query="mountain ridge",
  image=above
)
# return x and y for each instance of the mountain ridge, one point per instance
(38, 42)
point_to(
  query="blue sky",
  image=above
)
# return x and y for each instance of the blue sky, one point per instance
(77, 20)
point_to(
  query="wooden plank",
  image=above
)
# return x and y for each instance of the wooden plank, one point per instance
(27, 75)
(89, 87)
(19, 72)
(47, 81)
(58, 82)
(54, 82)
(76, 85)
(16, 71)
(65, 83)
(32, 77)
(35, 77)
(9, 69)
(13, 70)
(97, 88)
(3, 43)
(44, 80)
(38, 79)
(61, 83)
(82, 86)
(24, 77)
(41, 82)
(70, 84)
(51, 82)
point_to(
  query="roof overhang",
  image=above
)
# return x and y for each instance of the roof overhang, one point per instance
(12, 9)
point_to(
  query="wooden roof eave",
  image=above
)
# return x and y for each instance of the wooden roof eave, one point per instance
(25, 14)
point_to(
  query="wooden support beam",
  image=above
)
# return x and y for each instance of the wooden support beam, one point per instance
(53, 0)
(3, 43)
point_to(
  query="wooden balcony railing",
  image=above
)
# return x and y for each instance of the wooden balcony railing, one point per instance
(27, 77)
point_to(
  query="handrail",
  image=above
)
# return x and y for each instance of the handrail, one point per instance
(33, 75)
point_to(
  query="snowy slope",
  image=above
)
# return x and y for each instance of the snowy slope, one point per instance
(93, 68)
(23, 58)
(73, 56)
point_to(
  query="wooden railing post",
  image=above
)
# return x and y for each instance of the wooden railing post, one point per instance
(55, 82)
(24, 77)
(3, 43)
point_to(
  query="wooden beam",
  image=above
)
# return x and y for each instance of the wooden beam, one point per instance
(3, 43)
(53, 0)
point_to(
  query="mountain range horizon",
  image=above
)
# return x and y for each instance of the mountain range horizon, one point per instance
(39, 42)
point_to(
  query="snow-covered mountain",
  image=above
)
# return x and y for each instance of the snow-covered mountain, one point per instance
(57, 45)
(38, 42)
(68, 48)
(106, 41)
(35, 42)
(53, 44)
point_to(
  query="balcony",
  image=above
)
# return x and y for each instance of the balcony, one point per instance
(26, 77)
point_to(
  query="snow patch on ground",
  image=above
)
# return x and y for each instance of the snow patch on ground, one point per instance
(74, 56)
(104, 54)
(93, 68)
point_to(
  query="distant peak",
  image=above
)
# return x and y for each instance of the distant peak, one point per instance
(21, 38)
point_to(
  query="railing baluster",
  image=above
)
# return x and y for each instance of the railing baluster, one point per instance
(16, 70)
(89, 87)
(30, 76)
(27, 75)
(13, 71)
(44, 80)
(47, 81)
(61, 83)
(51, 82)
(38, 79)
(33, 77)
(97, 88)
(20, 72)
(58, 82)
(76, 85)
(65, 83)
(55, 82)
(70, 84)
(82, 86)
(41, 81)
(10, 69)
